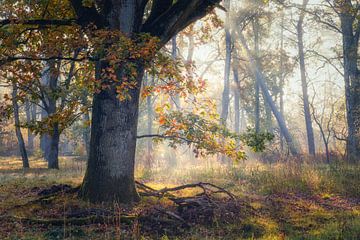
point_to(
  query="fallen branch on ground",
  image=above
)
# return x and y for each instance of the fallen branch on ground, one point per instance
(207, 188)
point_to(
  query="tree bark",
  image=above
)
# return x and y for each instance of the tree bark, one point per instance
(53, 131)
(19, 135)
(236, 100)
(29, 117)
(110, 170)
(86, 121)
(174, 56)
(304, 84)
(236, 90)
(282, 77)
(148, 81)
(255, 25)
(86, 132)
(350, 37)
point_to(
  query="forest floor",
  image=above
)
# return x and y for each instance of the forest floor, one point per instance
(272, 201)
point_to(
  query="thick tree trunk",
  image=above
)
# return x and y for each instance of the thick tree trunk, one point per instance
(280, 119)
(19, 136)
(226, 92)
(352, 80)
(304, 85)
(110, 170)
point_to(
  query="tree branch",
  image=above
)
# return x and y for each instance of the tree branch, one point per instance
(177, 17)
(40, 22)
(12, 59)
(166, 137)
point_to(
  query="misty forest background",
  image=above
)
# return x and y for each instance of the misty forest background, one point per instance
(248, 124)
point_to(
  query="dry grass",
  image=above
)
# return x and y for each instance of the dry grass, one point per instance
(289, 201)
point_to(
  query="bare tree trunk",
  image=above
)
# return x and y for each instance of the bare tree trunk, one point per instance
(268, 122)
(255, 25)
(29, 117)
(236, 100)
(236, 90)
(280, 119)
(44, 138)
(305, 97)
(174, 56)
(226, 92)
(350, 34)
(191, 48)
(19, 136)
(150, 114)
(86, 132)
(86, 121)
(282, 77)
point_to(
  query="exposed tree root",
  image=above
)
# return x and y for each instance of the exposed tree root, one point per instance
(206, 207)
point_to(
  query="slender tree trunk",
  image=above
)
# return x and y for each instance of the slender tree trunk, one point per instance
(149, 113)
(236, 100)
(304, 85)
(174, 56)
(45, 139)
(226, 92)
(350, 35)
(282, 77)
(19, 136)
(52, 156)
(86, 120)
(257, 87)
(49, 141)
(29, 117)
(237, 90)
(191, 48)
(280, 119)
(86, 132)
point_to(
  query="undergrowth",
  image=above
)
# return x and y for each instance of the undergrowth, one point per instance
(289, 200)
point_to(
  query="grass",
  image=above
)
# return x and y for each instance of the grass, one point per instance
(289, 201)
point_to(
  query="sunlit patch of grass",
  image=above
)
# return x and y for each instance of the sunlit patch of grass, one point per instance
(71, 170)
